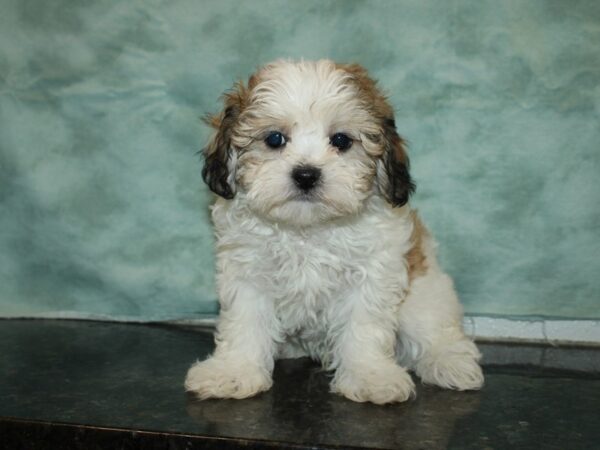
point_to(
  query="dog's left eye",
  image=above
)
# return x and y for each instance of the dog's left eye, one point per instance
(275, 140)
(341, 141)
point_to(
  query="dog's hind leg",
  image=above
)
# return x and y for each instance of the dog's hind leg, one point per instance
(431, 338)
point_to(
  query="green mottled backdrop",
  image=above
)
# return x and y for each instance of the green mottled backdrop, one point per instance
(102, 210)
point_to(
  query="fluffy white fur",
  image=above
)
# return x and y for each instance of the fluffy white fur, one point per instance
(324, 275)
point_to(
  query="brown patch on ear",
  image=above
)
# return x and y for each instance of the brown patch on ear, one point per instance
(398, 186)
(217, 153)
(416, 259)
(395, 182)
(368, 91)
(253, 81)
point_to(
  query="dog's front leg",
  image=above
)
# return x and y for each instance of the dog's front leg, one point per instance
(366, 369)
(242, 363)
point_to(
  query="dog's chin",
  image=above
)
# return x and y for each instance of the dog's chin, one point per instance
(305, 211)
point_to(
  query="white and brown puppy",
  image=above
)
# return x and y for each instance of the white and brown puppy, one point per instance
(319, 253)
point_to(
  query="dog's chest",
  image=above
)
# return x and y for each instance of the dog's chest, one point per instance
(310, 275)
(307, 276)
(308, 271)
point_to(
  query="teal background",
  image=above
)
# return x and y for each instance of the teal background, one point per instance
(102, 209)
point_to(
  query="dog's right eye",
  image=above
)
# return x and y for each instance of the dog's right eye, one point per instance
(275, 140)
(341, 141)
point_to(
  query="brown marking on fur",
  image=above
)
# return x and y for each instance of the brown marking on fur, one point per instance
(217, 152)
(378, 105)
(234, 102)
(368, 91)
(399, 186)
(416, 259)
(253, 81)
(396, 143)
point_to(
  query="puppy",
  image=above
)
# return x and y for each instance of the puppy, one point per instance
(318, 252)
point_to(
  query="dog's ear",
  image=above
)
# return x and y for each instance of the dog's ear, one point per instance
(393, 176)
(219, 155)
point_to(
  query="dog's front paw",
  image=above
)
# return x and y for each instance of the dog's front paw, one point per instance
(379, 385)
(220, 378)
(452, 366)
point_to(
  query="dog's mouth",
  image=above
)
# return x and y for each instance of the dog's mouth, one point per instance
(314, 195)
(305, 197)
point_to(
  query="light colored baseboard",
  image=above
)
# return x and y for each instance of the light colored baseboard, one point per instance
(551, 331)
(511, 329)
(481, 328)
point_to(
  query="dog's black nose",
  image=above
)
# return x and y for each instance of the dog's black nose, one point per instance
(306, 177)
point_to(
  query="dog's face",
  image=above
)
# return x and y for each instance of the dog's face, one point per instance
(306, 143)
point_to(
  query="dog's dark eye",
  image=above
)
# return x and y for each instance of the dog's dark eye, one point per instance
(275, 140)
(341, 141)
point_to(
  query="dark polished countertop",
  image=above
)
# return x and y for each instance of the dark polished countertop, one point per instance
(94, 385)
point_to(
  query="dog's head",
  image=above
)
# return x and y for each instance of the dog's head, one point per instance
(307, 142)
